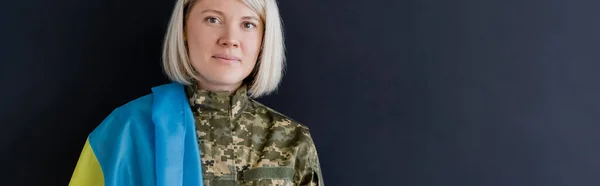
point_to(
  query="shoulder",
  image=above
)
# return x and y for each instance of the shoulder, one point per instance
(279, 123)
(136, 113)
(284, 136)
(141, 106)
(275, 116)
(124, 139)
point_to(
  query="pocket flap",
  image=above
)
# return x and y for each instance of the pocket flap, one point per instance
(269, 173)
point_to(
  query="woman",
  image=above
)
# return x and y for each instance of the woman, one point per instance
(205, 128)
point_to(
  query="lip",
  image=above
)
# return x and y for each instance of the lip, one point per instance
(227, 57)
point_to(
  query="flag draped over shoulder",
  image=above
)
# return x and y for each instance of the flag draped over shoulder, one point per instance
(148, 141)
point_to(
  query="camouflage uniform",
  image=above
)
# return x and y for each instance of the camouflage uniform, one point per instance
(243, 142)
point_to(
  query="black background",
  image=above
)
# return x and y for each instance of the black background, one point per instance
(414, 92)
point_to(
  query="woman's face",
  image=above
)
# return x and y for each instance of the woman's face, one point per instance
(224, 39)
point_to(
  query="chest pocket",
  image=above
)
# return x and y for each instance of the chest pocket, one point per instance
(269, 176)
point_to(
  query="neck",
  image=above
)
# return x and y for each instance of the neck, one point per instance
(219, 87)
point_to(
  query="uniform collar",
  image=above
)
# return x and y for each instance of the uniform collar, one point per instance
(221, 102)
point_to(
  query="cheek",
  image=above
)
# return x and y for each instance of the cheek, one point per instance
(194, 38)
(199, 46)
(253, 46)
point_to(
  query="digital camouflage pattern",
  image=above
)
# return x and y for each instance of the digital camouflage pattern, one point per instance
(243, 142)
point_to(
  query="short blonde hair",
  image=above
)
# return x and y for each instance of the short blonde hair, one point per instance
(269, 69)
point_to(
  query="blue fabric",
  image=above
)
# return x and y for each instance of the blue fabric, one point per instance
(150, 141)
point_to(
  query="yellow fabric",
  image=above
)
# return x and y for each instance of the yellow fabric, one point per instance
(87, 171)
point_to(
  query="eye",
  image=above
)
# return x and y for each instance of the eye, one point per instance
(249, 25)
(212, 20)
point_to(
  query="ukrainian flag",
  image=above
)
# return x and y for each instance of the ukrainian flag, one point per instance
(146, 142)
(88, 170)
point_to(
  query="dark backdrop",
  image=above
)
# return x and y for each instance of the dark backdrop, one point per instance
(407, 92)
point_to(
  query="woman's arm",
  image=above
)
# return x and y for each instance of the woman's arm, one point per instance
(311, 175)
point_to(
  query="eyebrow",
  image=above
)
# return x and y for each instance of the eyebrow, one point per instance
(252, 18)
(213, 11)
(223, 14)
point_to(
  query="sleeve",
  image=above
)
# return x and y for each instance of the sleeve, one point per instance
(311, 175)
(87, 171)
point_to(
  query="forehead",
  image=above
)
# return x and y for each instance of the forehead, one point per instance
(230, 8)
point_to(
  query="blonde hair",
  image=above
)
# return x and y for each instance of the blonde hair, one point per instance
(269, 68)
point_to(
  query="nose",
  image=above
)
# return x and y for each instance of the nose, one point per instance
(229, 39)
